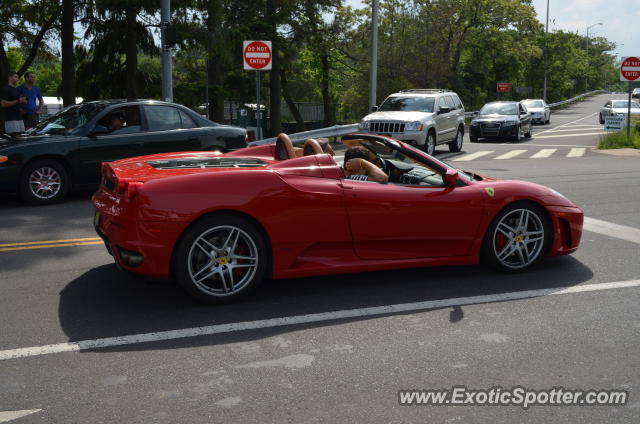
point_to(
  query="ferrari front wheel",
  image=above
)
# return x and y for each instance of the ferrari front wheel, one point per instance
(221, 259)
(518, 237)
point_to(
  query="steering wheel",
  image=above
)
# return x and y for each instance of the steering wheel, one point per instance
(284, 147)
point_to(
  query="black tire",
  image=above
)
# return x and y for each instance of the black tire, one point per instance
(502, 249)
(430, 143)
(601, 120)
(473, 139)
(44, 181)
(207, 275)
(456, 144)
(518, 137)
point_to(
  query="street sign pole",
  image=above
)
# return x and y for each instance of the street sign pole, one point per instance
(258, 113)
(257, 56)
(629, 115)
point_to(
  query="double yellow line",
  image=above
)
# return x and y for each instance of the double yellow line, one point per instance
(28, 245)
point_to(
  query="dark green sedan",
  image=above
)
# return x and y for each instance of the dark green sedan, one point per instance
(66, 150)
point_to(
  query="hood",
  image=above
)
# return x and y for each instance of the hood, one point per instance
(398, 116)
(7, 140)
(494, 117)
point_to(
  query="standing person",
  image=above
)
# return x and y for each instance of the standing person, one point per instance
(31, 114)
(11, 100)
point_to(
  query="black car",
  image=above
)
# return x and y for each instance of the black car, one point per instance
(66, 150)
(506, 120)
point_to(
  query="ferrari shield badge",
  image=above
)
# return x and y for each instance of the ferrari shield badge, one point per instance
(490, 191)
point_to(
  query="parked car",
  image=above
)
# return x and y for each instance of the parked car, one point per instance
(67, 150)
(220, 224)
(618, 108)
(421, 117)
(539, 110)
(509, 120)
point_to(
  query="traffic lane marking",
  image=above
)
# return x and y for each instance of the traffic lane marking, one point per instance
(544, 153)
(511, 154)
(576, 152)
(613, 230)
(473, 156)
(24, 243)
(6, 416)
(578, 129)
(47, 246)
(569, 123)
(303, 319)
(569, 135)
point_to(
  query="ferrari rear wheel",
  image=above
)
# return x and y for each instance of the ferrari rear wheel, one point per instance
(221, 259)
(518, 237)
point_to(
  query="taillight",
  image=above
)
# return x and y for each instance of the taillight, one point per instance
(128, 187)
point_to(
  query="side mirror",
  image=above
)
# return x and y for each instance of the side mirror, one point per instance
(374, 108)
(98, 130)
(444, 109)
(451, 178)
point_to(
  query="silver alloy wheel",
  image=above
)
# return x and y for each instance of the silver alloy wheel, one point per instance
(45, 182)
(430, 144)
(459, 138)
(518, 238)
(222, 261)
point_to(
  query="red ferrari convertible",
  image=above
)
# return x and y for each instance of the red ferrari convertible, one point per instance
(221, 223)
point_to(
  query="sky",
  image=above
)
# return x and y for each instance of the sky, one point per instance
(620, 20)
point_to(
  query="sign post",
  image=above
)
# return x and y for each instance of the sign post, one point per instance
(257, 57)
(629, 71)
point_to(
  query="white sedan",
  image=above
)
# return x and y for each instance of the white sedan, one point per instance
(539, 109)
(619, 108)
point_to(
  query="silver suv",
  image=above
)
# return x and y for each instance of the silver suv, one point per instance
(421, 117)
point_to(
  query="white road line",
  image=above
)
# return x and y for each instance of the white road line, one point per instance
(569, 123)
(473, 156)
(511, 154)
(576, 152)
(6, 416)
(570, 129)
(305, 319)
(569, 135)
(584, 125)
(544, 153)
(613, 230)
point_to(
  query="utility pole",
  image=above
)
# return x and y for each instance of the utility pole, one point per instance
(586, 75)
(167, 79)
(373, 72)
(546, 31)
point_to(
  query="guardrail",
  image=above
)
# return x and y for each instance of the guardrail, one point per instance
(339, 130)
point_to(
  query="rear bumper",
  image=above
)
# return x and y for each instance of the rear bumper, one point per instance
(567, 224)
(124, 236)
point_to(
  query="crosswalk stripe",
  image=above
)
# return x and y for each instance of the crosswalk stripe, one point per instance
(568, 135)
(576, 152)
(544, 153)
(511, 154)
(576, 130)
(473, 156)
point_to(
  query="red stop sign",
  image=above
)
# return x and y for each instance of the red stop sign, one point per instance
(257, 55)
(630, 69)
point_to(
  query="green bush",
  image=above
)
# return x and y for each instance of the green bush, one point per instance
(618, 140)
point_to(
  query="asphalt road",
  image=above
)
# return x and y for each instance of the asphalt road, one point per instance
(563, 324)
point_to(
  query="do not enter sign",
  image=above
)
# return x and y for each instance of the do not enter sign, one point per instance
(630, 68)
(257, 55)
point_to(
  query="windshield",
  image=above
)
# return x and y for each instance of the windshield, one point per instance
(68, 119)
(533, 103)
(408, 104)
(623, 104)
(499, 109)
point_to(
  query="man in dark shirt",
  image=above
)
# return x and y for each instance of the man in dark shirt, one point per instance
(32, 93)
(11, 101)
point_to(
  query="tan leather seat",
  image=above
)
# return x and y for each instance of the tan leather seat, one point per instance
(312, 147)
(284, 148)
